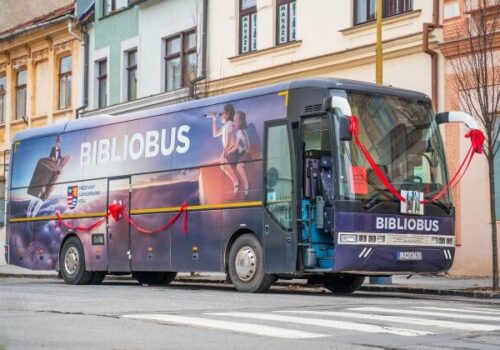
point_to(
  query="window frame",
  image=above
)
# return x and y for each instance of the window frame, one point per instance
(130, 68)
(407, 4)
(68, 101)
(182, 55)
(19, 88)
(288, 25)
(3, 98)
(243, 13)
(113, 7)
(99, 78)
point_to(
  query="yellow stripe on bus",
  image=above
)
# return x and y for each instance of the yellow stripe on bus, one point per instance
(142, 211)
(64, 217)
(197, 207)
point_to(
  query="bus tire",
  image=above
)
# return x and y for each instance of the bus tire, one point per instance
(98, 277)
(168, 278)
(343, 283)
(246, 266)
(72, 263)
(154, 278)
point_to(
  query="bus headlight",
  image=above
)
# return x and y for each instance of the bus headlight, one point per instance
(348, 238)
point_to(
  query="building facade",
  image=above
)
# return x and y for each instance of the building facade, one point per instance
(471, 197)
(142, 53)
(39, 61)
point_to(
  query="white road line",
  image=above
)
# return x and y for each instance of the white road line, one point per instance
(427, 313)
(248, 328)
(472, 310)
(360, 327)
(401, 319)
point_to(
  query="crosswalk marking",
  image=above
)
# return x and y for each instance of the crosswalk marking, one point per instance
(427, 313)
(360, 327)
(472, 309)
(248, 328)
(400, 319)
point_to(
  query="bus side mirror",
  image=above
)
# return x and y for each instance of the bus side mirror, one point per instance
(457, 117)
(344, 125)
(340, 106)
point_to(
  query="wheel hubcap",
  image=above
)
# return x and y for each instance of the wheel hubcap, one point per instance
(246, 263)
(71, 260)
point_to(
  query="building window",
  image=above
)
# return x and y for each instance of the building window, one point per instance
(102, 83)
(21, 81)
(286, 21)
(113, 5)
(3, 99)
(65, 70)
(131, 75)
(181, 60)
(248, 25)
(366, 10)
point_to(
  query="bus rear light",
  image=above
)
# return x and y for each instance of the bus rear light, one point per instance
(380, 239)
(395, 239)
(450, 241)
(362, 238)
(372, 239)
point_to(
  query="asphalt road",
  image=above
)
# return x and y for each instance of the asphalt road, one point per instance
(48, 314)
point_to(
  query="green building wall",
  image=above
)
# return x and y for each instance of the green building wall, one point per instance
(110, 31)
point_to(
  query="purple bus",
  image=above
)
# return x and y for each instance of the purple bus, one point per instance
(271, 182)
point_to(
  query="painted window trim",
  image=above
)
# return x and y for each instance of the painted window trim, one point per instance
(243, 13)
(355, 22)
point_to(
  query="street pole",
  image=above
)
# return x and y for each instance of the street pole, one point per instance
(379, 79)
(379, 74)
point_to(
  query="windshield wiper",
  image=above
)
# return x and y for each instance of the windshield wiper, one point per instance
(373, 200)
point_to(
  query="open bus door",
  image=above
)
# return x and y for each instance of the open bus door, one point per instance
(119, 231)
(279, 208)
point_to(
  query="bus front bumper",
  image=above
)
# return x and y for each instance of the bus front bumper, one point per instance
(374, 259)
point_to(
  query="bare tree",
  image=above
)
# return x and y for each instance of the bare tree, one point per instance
(477, 80)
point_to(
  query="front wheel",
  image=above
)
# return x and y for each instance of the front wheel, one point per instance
(246, 266)
(343, 283)
(72, 263)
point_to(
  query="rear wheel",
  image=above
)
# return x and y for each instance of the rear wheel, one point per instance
(343, 283)
(72, 263)
(154, 278)
(246, 266)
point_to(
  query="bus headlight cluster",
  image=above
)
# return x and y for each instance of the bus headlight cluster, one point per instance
(395, 239)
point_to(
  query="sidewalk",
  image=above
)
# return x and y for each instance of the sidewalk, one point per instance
(430, 285)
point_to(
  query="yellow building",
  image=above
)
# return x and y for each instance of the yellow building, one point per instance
(38, 62)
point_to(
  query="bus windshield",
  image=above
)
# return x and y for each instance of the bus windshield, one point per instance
(403, 139)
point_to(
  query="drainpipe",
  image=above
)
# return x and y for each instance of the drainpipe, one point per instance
(204, 36)
(85, 73)
(429, 27)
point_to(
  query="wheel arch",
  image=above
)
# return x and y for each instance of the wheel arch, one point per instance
(231, 241)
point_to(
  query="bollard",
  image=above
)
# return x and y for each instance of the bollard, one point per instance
(387, 280)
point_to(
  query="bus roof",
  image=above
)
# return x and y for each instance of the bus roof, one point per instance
(326, 83)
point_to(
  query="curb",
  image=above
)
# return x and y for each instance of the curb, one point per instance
(284, 283)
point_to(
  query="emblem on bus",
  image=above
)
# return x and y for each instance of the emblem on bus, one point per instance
(72, 198)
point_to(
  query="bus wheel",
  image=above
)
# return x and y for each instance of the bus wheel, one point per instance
(246, 266)
(154, 278)
(343, 283)
(169, 277)
(98, 277)
(72, 263)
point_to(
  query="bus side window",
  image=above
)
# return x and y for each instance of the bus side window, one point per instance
(279, 176)
(317, 150)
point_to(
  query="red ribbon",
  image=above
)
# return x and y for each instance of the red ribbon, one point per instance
(116, 211)
(477, 140)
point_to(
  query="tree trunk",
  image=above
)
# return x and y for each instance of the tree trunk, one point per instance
(491, 173)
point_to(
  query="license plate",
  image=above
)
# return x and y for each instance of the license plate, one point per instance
(408, 256)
